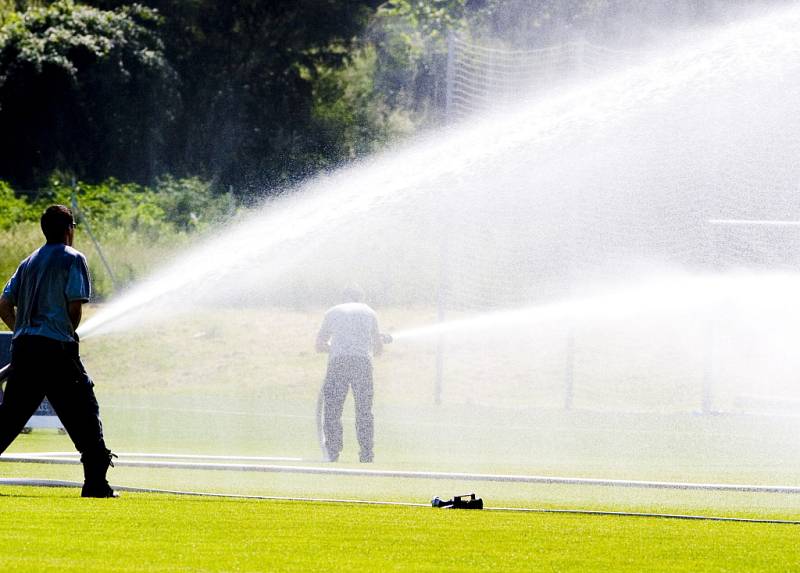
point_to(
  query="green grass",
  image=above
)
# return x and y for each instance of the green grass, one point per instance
(53, 530)
(245, 382)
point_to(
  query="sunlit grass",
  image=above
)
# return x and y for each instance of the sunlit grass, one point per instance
(48, 530)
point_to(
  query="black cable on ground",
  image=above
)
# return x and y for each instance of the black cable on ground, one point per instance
(58, 483)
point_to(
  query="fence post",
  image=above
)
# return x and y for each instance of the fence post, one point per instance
(708, 370)
(569, 370)
(85, 222)
(451, 76)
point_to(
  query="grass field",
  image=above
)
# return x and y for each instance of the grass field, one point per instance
(245, 382)
(52, 530)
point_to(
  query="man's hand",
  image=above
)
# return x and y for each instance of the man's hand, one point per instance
(7, 313)
(377, 343)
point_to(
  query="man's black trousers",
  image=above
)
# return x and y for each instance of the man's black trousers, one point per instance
(348, 372)
(42, 367)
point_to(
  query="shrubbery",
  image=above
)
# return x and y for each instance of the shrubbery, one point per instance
(15, 210)
(86, 90)
(136, 226)
(172, 205)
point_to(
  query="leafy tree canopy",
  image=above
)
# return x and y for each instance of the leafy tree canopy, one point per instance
(83, 89)
(254, 95)
(248, 70)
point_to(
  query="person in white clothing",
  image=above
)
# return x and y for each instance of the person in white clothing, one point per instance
(350, 336)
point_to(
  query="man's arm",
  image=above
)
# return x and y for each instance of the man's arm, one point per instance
(7, 313)
(377, 339)
(324, 336)
(322, 343)
(75, 311)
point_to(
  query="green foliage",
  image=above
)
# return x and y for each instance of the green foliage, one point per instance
(52, 37)
(247, 70)
(15, 209)
(18, 241)
(6, 11)
(170, 206)
(355, 118)
(83, 89)
(426, 19)
(410, 37)
(251, 94)
(137, 226)
(190, 204)
(109, 205)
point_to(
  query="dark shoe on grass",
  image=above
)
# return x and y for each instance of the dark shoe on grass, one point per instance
(101, 490)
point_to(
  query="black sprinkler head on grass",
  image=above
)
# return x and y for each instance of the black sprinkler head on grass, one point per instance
(467, 501)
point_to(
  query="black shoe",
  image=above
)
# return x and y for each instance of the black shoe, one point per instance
(102, 491)
(95, 464)
(366, 458)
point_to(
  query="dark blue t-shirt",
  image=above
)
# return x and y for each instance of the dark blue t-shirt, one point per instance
(42, 288)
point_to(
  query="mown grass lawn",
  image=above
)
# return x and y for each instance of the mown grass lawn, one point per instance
(229, 388)
(48, 529)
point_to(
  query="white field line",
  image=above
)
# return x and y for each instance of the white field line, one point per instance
(592, 512)
(166, 456)
(209, 411)
(453, 476)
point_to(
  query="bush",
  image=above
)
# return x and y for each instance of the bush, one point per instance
(18, 241)
(15, 210)
(190, 204)
(136, 226)
(354, 118)
(84, 89)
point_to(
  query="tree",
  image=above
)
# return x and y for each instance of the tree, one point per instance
(83, 90)
(247, 70)
(410, 37)
(353, 116)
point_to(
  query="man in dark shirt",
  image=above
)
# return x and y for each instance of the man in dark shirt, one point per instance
(42, 304)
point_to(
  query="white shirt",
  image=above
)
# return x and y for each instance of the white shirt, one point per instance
(351, 328)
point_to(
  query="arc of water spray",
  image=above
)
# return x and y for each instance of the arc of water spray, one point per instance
(662, 295)
(558, 120)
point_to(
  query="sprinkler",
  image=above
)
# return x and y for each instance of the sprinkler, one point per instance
(466, 501)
